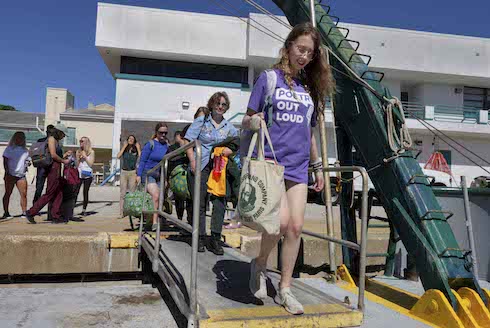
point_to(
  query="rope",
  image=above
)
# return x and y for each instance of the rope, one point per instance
(399, 140)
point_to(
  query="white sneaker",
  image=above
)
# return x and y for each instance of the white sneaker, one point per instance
(258, 281)
(286, 298)
(23, 215)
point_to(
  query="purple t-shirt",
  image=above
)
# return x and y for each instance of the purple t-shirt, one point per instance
(292, 119)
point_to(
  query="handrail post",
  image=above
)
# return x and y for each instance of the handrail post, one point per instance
(364, 229)
(469, 226)
(195, 230)
(163, 169)
(326, 176)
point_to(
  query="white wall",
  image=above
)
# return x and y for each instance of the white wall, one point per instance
(178, 35)
(144, 100)
(99, 133)
(422, 51)
(441, 94)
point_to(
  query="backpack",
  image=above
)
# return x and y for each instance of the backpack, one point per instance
(271, 87)
(178, 182)
(40, 155)
(71, 175)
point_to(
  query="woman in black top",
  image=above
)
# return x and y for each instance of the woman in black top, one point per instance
(129, 154)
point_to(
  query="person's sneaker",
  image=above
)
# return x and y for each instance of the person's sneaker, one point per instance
(6, 215)
(83, 213)
(30, 219)
(76, 219)
(23, 215)
(154, 227)
(214, 245)
(258, 280)
(286, 298)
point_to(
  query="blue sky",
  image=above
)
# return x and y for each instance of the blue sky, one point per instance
(51, 43)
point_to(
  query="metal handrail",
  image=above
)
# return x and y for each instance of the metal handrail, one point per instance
(364, 223)
(194, 229)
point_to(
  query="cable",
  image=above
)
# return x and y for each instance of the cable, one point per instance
(359, 79)
(426, 125)
(279, 38)
(456, 142)
(245, 21)
(268, 13)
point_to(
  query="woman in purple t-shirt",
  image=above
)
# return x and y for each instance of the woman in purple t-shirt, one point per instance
(304, 80)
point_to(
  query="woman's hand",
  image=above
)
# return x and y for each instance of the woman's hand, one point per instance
(226, 152)
(68, 154)
(319, 181)
(256, 121)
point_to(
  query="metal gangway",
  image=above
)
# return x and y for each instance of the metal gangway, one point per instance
(212, 291)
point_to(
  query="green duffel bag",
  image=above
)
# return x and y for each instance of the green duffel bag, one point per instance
(133, 203)
(178, 182)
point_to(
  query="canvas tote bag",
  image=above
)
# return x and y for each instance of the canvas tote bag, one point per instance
(261, 187)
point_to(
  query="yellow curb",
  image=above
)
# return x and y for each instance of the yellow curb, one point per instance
(319, 315)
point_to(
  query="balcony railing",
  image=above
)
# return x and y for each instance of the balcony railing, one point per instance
(445, 113)
(457, 114)
(413, 109)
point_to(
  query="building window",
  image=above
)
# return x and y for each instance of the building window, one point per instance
(71, 137)
(447, 156)
(185, 70)
(477, 98)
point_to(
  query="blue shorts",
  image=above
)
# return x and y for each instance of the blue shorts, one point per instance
(150, 179)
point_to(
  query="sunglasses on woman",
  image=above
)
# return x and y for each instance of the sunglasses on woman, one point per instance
(222, 104)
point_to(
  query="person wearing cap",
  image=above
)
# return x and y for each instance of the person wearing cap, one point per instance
(54, 189)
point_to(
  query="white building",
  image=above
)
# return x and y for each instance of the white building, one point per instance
(167, 64)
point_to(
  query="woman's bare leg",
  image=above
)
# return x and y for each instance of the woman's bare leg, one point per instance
(22, 187)
(155, 195)
(296, 198)
(9, 187)
(270, 241)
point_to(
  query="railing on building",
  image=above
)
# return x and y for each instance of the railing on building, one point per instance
(445, 113)
(457, 114)
(412, 109)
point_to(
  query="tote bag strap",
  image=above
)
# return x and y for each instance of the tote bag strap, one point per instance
(265, 135)
(260, 142)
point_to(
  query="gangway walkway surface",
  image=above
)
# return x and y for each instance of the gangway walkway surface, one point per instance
(224, 299)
